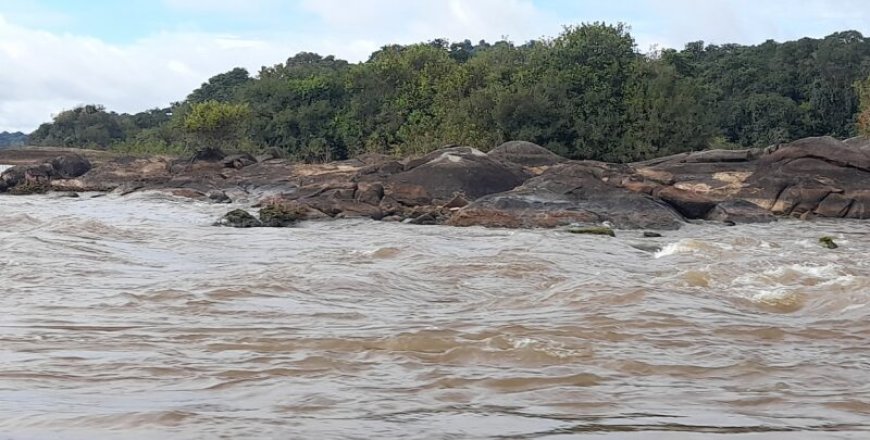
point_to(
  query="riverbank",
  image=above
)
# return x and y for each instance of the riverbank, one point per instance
(516, 185)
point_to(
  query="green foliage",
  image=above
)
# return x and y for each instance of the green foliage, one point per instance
(222, 87)
(214, 124)
(863, 119)
(585, 94)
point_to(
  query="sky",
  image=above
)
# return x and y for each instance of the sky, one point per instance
(138, 54)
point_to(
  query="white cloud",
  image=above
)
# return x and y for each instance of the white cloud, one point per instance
(220, 6)
(413, 21)
(44, 72)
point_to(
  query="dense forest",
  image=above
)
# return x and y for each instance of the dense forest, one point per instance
(15, 139)
(587, 93)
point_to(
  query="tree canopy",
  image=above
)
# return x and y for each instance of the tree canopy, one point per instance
(587, 93)
(863, 119)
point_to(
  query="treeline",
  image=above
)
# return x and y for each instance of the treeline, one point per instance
(15, 139)
(587, 93)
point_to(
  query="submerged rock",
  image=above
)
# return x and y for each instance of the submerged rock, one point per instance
(649, 234)
(828, 242)
(592, 230)
(280, 215)
(239, 218)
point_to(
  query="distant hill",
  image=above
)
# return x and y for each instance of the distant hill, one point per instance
(16, 139)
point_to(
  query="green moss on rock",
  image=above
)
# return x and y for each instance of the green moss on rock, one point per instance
(239, 218)
(279, 216)
(828, 242)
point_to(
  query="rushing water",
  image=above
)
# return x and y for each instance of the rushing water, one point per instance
(133, 318)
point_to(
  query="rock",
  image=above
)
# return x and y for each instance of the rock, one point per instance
(425, 219)
(239, 218)
(238, 161)
(218, 196)
(127, 188)
(740, 211)
(456, 202)
(692, 205)
(820, 175)
(70, 166)
(390, 168)
(828, 242)
(39, 174)
(13, 176)
(390, 206)
(592, 230)
(442, 174)
(29, 187)
(280, 215)
(574, 192)
(525, 154)
(824, 148)
(409, 194)
(861, 143)
(648, 234)
(716, 156)
(188, 193)
(834, 205)
(369, 192)
(3, 186)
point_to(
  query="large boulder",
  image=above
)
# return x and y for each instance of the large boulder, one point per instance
(576, 192)
(239, 218)
(443, 174)
(525, 154)
(70, 166)
(13, 176)
(278, 215)
(820, 176)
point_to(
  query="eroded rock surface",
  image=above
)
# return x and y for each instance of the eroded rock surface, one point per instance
(518, 184)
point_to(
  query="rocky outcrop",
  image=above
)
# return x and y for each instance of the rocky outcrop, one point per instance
(441, 175)
(38, 178)
(579, 192)
(821, 176)
(525, 154)
(518, 184)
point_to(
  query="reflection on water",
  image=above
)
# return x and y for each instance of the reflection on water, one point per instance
(133, 318)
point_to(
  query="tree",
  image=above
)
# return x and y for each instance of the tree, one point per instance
(217, 125)
(221, 87)
(863, 120)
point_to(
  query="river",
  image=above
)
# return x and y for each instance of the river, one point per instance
(134, 318)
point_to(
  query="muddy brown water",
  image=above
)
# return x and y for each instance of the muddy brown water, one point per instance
(133, 318)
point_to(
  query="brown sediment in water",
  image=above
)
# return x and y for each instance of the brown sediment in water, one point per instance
(133, 315)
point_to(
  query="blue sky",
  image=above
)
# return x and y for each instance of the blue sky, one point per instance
(137, 54)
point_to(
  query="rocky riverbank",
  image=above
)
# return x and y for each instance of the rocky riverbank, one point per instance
(516, 185)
